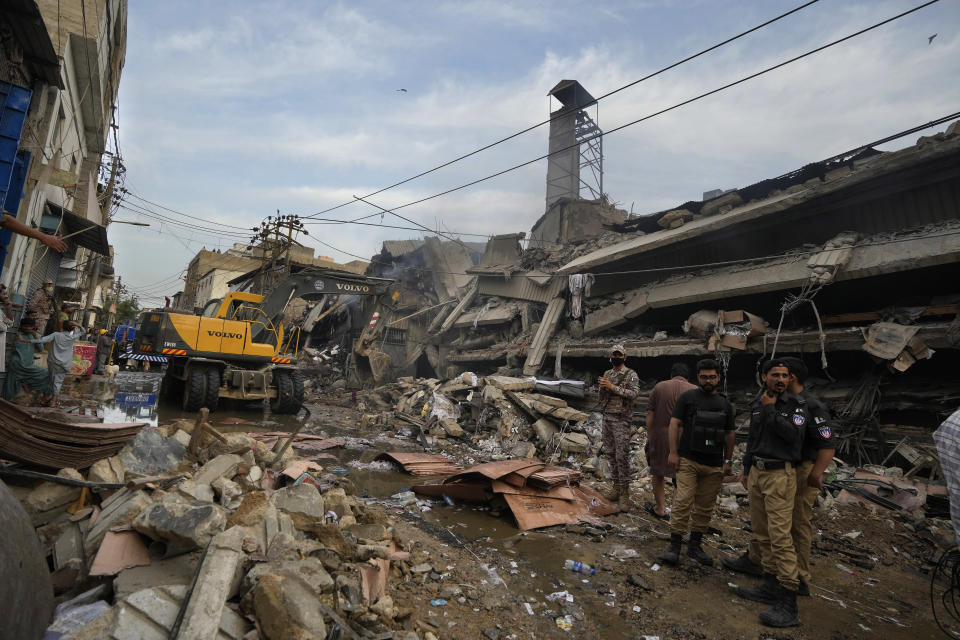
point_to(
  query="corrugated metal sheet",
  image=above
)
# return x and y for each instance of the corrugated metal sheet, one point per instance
(398, 248)
(522, 287)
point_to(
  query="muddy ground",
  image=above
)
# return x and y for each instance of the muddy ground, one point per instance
(498, 582)
(488, 571)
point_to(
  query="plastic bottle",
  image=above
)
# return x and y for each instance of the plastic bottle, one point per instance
(579, 567)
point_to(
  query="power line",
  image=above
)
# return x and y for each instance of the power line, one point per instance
(552, 118)
(185, 215)
(170, 277)
(671, 108)
(133, 208)
(391, 226)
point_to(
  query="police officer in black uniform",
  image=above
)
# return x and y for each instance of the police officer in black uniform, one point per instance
(778, 423)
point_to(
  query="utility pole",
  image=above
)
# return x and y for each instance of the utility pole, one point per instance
(94, 278)
(276, 235)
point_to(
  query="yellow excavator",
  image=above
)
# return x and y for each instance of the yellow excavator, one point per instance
(237, 347)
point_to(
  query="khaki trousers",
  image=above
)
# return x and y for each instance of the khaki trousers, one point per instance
(772, 496)
(801, 529)
(698, 486)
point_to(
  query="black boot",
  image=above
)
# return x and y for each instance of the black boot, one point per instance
(744, 564)
(767, 592)
(672, 555)
(694, 550)
(784, 610)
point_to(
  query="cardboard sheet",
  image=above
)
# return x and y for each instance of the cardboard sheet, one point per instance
(119, 551)
(561, 493)
(533, 512)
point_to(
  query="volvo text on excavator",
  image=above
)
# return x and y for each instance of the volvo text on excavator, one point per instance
(238, 348)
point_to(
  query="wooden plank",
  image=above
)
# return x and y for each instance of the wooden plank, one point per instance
(538, 350)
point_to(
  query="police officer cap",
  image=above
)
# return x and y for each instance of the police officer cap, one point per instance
(618, 348)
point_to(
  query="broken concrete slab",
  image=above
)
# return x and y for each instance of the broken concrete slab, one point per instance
(120, 509)
(538, 348)
(222, 466)
(287, 608)
(185, 525)
(50, 496)
(150, 454)
(616, 314)
(302, 502)
(338, 501)
(310, 570)
(194, 491)
(149, 614)
(722, 204)
(369, 532)
(178, 570)
(236, 443)
(107, 470)
(451, 427)
(573, 442)
(217, 580)
(252, 509)
(505, 383)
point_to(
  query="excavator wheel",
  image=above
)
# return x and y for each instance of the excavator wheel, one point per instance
(213, 388)
(195, 389)
(286, 401)
(298, 392)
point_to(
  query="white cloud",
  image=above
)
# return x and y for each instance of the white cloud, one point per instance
(316, 114)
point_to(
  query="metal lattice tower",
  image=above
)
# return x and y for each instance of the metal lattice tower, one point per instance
(575, 165)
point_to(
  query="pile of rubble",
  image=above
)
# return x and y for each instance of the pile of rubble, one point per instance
(503, 417)
(194, 532)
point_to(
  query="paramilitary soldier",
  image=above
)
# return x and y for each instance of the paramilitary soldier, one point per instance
(619, 387)
(701, 445)
(818, 450)
(778, 423)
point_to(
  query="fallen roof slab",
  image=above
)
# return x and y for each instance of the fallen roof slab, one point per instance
(872, 257)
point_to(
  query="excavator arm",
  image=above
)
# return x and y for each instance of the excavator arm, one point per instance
(314, 284)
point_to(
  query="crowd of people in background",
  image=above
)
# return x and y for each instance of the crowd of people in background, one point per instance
(45, 322)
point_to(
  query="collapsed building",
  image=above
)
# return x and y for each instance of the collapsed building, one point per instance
(850, 263)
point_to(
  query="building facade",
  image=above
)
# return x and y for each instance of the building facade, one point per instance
(67, 57)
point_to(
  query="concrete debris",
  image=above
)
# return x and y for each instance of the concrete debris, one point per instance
(287, 608)
(218, 578)
(185, 525)
(151, 453)
(149, 614)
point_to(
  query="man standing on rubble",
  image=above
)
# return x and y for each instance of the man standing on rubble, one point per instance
(701, 447)
(60, 356)
(778, 423)
(818, 450)
(663, 398)
(42, 304)
(619, 387)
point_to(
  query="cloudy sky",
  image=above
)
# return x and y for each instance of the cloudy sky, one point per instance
(229, 111)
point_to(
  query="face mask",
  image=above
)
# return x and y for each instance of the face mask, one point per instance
(48, 289)
(617, 361)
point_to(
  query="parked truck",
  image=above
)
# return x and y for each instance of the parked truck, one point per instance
(238, 348)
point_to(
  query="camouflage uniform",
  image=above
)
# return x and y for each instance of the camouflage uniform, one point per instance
(42, 304)
(617, 408)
